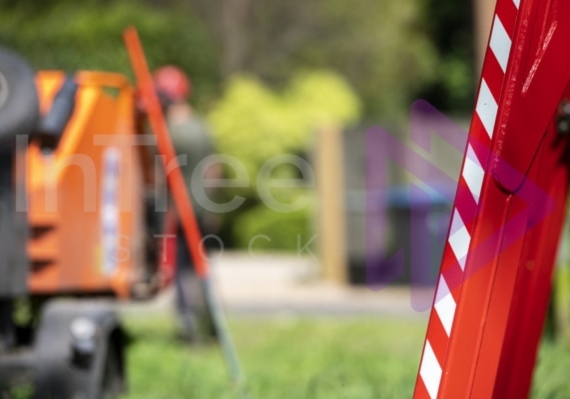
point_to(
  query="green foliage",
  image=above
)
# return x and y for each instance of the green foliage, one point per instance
(323, 98)
(551, 374)
(253, 123)
(390, 51)
(262, 228)
(24, 391)
(88, 35)
(382, 50)
(386, 53)
(381, 47)
(450, 27)
(256, 126)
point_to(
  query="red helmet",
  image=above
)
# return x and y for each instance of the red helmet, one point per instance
(172, 82)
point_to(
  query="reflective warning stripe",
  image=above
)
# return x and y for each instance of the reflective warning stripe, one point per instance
(440, 327)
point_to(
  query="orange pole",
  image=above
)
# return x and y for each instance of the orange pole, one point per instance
(158, 124)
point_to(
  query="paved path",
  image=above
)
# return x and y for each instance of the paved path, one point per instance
(281, 284)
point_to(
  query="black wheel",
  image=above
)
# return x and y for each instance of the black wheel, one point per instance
(78, 351)
(112, 381)
(19, 108)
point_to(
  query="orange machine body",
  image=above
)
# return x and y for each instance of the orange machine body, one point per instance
(85, 206)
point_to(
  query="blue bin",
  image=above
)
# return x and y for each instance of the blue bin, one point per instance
(417, 224)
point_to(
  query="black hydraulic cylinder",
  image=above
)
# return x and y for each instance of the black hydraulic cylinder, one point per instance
(54, 122)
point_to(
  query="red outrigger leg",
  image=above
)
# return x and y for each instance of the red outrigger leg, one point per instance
(495, 277)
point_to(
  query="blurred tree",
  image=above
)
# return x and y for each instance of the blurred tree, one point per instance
(450, 25)
(265, 130)
(253, 123)
(390, 51)
(380, 47)
(70, 35)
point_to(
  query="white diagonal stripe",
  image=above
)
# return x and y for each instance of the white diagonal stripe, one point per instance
(459, 242)
(473, 173)
(487, 108)
(442, 289)
(517, 3)
(430, 371)
(456, 222)
(500, 43)
(472, 156)
(445, 305)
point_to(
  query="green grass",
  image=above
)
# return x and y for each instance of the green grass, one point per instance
(551, 379)
(282, 358)
(289, 357)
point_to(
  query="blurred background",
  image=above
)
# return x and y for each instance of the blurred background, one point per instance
(268, 74)
(305, 79)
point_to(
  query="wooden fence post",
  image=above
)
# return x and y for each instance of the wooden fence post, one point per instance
(331, 226)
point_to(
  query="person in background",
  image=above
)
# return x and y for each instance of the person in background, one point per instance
(191, 140)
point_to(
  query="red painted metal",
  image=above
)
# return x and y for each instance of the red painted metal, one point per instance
(483, 336)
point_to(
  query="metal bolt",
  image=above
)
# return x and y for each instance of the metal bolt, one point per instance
(83, 329)
(563, 119)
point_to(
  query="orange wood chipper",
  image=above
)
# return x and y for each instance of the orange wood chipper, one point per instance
(82, 202)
